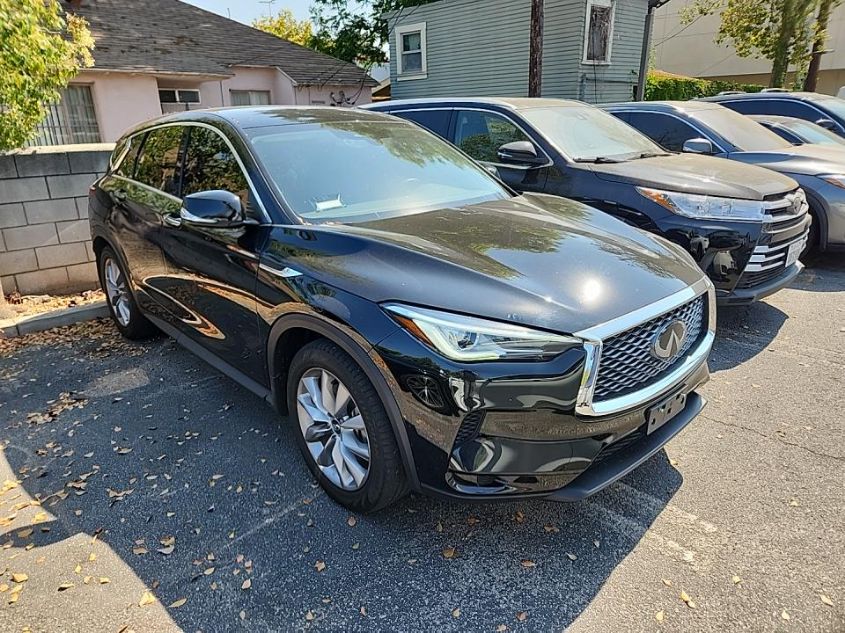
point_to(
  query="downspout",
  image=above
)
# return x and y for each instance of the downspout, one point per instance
(646, 50)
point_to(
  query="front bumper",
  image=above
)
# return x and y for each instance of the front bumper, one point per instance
(746, 296)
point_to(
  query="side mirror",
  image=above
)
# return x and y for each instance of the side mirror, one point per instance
(698, 146)
(520, 153)
(827, 124)
(218, 208)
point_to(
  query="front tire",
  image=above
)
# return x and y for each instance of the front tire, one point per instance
(343, 430)
(122, 306)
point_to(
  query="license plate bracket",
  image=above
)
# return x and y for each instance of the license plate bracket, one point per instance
(665, 410)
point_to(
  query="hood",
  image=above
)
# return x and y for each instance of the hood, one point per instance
(538, 260)
(691, 173)
(809, 160)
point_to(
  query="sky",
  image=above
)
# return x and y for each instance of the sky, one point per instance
(247, 10)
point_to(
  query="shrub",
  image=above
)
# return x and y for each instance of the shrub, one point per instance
(663, 86)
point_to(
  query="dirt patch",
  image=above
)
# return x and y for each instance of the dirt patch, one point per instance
(29, 305)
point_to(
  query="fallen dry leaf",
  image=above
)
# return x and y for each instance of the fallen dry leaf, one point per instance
(178, 603)
(167, 551)
(246, 584)
(309, 615)
(522, 616)
(571, 556)
(456, 613)
(104, 580)
(687, 600)
(25, 533)
(320, 566)
(551, 528)
(449, 552)
(785, 615)
(826, 600)
(519, 517)
(65, 586)
(146, 599)
(351, 521)
(736, 580)
(528, 563)
(659, 616)
(19, 578)
(208, 571)
(667, 582)
(501, 628)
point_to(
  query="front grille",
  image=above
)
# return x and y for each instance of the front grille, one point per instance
(627, 364)
(768, 261)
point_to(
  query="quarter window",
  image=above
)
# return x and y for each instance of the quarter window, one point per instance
(411, 45)
(158, 164)
(210, 165)
(250, 97)
(666, 131)
(481, 134)
(126, 168)
(599, 33)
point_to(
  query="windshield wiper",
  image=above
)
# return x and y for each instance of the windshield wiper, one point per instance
(598, 160)
(652, 154)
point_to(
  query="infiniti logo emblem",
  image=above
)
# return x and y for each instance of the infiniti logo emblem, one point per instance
(669, 340)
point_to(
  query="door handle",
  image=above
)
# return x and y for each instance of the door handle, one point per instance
(172, 220)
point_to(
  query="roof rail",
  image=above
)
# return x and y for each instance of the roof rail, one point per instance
(775, 90)
(730, 92)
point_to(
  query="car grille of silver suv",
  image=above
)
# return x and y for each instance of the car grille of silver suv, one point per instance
(626, 359)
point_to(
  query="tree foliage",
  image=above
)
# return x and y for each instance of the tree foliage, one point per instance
(778, 30)
(286, 26)
(41, 50)
(357, 31)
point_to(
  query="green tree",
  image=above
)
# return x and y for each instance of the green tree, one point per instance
(356, 31)
(826, 7)
(777, 30)
(41, 50)
(286, 26)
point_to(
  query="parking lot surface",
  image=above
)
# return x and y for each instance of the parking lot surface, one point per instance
(156, 495)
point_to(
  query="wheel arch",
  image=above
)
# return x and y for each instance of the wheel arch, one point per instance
(291, 332)
(818, 211)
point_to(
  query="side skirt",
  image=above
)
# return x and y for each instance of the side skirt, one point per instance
(215, 361)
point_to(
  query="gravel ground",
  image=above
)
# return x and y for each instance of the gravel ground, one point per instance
(171, 499)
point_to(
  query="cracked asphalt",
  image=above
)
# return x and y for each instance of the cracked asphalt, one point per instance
(156, 474)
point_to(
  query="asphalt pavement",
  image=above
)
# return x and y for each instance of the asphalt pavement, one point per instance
(146, 492)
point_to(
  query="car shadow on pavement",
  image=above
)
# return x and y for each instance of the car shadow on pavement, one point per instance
(193, 490)
(742, 332)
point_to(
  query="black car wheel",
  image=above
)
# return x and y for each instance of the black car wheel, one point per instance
(343, 430)
(124, 311)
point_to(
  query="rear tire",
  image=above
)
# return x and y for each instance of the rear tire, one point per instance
(342, 429)
(122, 306)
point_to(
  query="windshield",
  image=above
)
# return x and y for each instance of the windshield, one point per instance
(358, 171)
(585, 133)
(745, 134)
(812, 133)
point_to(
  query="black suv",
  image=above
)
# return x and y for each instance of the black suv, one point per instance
(745, 226)
(823, 110)
(424, 327)
(709, 128)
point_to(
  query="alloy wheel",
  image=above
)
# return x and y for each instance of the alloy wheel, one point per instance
(117, 291)
(333, 428)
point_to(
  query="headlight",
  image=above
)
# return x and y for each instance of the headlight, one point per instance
(837, 180)
(464, 338)
(706, 207)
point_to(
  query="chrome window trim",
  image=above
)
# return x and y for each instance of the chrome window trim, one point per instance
(595, 336)
(521, 128)
(692, 124)
(259, 201)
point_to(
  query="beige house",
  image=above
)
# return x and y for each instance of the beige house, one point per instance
(690, 50)
(162, 56)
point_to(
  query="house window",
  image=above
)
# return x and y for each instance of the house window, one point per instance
(250, 97)
(73, 120)
(411, 58)
(178, 99)
(598, 37)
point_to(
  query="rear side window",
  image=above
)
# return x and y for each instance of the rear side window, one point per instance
(126, 166)
(665, 130)
(210, 164)
(158, 162)
(781, 107)
(481, 134)
(436, 121)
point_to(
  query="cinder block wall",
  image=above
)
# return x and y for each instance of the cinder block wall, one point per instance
(45, 245)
